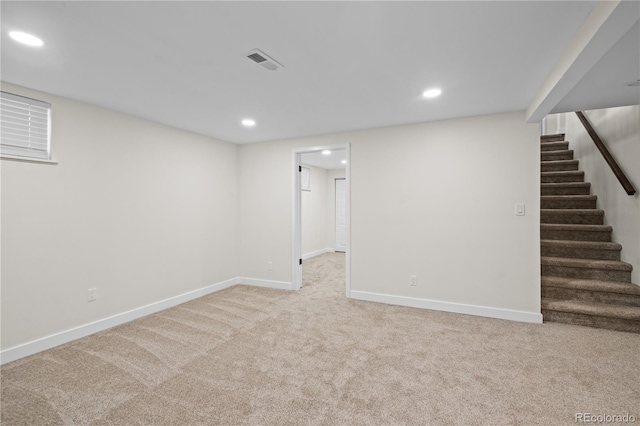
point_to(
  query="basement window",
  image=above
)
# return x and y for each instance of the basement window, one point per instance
(25, 128)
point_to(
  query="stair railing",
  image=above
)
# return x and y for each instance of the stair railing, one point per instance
(615, 168)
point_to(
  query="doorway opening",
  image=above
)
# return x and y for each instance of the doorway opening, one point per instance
(321, 204)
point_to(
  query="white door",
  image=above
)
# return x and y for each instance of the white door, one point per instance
(341, 215)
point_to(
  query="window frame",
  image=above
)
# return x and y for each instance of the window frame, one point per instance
(27, 153)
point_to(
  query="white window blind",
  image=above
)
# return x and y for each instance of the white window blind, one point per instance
(24, 127)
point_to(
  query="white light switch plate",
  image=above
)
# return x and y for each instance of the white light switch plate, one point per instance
(519, 209)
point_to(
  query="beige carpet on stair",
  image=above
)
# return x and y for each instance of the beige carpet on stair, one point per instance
(259, 356)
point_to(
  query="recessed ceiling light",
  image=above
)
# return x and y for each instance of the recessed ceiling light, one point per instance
(248, 122)
(25, 38)
(432, 93)
(326, 152)
(344, 161)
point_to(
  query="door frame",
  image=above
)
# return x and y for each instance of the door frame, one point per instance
(296, 243)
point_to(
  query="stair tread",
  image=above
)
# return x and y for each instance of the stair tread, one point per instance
(557, 151)
(611, 265)
(563, 172)
(561, 162)
(592, 285)
(576, 227)
(569, 197)
(594, 212)
(592, 308)
(551, 136)
(600, 245)
(566, 185)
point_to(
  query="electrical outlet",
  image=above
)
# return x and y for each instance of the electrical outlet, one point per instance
(269, 266)
(91, 295)
(413, 280)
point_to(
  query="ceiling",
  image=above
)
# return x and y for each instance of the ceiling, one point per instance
(606, 84)
(332, 161)
(347, 65)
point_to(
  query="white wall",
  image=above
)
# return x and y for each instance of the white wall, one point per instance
(314, 213)
(434, 200)
(555, 124)
(619, 128)
(138, 210)
(145, 212)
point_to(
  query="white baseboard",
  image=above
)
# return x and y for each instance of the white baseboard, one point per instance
(459, 308)
(57, 339)
(48, 342)
(317, 253)
(280, 285)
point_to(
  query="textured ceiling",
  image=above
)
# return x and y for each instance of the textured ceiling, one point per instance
(348, 65)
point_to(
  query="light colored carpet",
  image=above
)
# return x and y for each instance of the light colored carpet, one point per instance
(260, 356)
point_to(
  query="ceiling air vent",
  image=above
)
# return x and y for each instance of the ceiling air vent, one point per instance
(261, 58)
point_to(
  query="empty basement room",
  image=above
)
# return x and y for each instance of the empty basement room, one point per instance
(177, 251)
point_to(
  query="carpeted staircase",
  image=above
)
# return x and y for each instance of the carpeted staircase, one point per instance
(583, 280)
